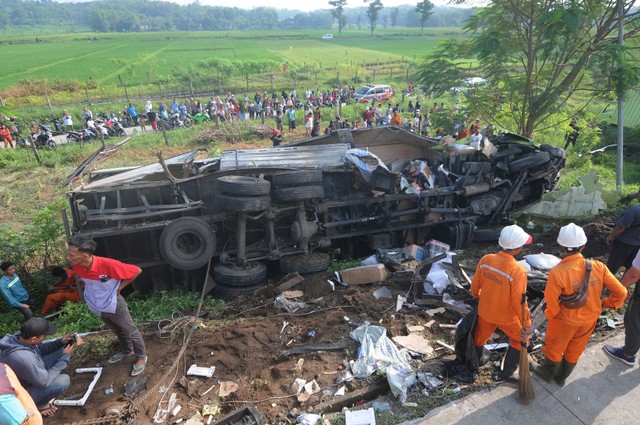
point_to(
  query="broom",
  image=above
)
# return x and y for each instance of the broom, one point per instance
(526, 384)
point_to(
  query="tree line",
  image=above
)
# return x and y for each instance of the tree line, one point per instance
(147, 15)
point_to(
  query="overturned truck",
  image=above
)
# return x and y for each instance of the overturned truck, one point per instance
(249, 212)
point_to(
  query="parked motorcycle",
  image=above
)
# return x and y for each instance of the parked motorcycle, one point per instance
(199, 118)
(44, 138)
(57, 124)
(84, 135)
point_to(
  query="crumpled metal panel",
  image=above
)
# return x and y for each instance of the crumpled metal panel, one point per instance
(297, 157)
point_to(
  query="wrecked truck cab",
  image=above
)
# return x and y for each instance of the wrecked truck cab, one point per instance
(230, 220)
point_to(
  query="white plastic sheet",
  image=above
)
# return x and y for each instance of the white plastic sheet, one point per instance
(438, 275)
(542, 261)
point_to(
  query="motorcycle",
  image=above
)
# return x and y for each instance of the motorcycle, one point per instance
(57, 124)
(44, 138)
(199, 118)
(84, 135)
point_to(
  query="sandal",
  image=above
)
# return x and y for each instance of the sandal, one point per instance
(116, 358)
(47, 410)
(137, 370)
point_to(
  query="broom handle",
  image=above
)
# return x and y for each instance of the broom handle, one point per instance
(524, 300)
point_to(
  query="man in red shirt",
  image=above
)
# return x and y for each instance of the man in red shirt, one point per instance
(103, 279)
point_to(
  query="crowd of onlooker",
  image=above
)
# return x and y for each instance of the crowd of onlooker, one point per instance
(288, 110)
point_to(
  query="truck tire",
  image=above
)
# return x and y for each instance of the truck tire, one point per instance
(297, 178)
(187, 243)
(228, 293)
(254, 273)
(303, 264)
(243, 203)
(299, 193)
(538, 158)
(243, 185)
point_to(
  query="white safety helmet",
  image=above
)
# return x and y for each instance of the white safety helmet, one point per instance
(512, 237)
(572, 236)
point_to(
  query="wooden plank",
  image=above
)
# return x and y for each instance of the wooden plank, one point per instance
(366, 393)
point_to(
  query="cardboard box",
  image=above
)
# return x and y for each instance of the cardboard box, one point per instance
(364, 274)
(415, 251)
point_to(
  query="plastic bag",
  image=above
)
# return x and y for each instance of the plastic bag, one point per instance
(380, 353)
(308, 418)
(281, 303)
(438, 275)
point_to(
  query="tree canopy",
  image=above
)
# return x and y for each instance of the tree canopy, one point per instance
(373, 12)
(536, 56)
(424, 9)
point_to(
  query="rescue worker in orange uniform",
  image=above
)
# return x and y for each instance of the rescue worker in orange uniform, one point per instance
(569, 329)
(66, 289)
(500, 284)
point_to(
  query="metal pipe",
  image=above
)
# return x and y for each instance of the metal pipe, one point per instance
(83, 400)
(241, 238)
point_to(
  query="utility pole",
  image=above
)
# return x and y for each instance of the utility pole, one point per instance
(620, 157)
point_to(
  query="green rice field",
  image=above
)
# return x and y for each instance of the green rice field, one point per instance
(140, 58)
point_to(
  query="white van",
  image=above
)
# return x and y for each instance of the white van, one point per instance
(327, 36)
(373, 93)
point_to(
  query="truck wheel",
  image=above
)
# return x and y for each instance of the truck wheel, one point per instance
(254, 273)
(299, 193)
(230, 292)
(297, 178)
(311, 263)
(243, 203)
(531, 161)
(187, 243)
(243, 185)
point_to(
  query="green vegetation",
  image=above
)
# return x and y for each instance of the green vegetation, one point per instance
(162, 305)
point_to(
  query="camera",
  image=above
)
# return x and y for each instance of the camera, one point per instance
(72, 341)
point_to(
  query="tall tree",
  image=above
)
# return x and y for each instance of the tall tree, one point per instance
(373, 12)
(424, 9)
(338, 13)
(394, 16)
(536, 55)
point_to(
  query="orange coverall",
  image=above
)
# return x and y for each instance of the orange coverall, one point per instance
(569, 329)
(65, 290)
(499, 283)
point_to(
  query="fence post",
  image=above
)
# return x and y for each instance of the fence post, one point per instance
(86, 93)
(46, 96)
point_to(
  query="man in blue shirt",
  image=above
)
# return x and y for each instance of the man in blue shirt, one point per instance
(134, 114)
(625, 239)
(13, 291)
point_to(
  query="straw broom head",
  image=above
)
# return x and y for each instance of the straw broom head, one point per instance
(526, 384)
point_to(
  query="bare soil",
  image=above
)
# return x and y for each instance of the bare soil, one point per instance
(244, 346)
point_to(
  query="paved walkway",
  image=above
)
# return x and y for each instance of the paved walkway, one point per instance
(601, 390)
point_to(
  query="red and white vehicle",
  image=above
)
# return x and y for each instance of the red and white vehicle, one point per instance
(373, 93)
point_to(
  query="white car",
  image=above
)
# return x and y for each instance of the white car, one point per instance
(327, 36)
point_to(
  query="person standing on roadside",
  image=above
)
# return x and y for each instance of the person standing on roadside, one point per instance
(87, 114)
(13, 291)
(67, 120)
(624, 239)
(133, 113)
(103, 279)
(500, 284)
(571, 323)
(627, 353)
